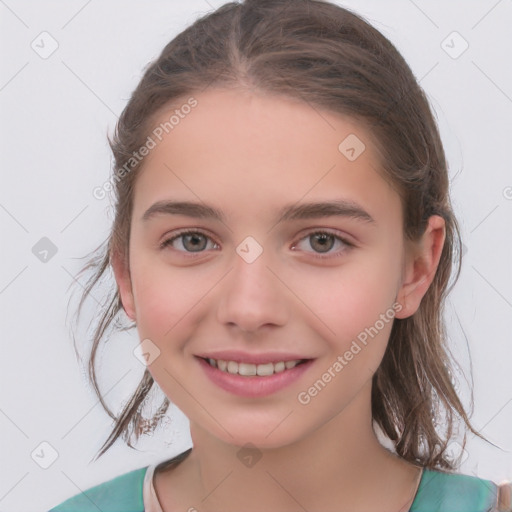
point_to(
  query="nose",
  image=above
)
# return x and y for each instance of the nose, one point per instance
(252, 296)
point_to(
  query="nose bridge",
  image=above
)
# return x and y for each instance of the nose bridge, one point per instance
(252, 295)
(250, 268)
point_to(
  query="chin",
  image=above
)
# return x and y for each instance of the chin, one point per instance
(262, 436)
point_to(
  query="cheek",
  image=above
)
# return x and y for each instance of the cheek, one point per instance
(164, 298)
(353, 308)
(360, 309)
(351, 296)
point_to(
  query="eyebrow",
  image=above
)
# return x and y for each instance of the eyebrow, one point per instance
(312, 210)
(336, 208)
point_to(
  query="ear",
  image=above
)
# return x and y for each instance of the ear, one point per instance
(124, 284)
(420, 266)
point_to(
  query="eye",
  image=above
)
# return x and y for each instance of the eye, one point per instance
(189, 241)
(324, 241)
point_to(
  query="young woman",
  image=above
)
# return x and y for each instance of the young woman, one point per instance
(283, 241)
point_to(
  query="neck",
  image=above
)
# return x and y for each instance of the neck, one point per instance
(340, 466)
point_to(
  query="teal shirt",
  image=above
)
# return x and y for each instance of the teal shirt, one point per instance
(437, 492)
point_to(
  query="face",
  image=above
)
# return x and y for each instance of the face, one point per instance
(271, 277)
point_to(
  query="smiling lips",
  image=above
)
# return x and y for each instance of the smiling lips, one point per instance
(257, 381)
(253, 375)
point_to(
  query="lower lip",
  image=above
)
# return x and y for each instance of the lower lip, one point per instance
(254, 386)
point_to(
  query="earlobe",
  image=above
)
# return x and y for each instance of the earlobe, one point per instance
(124, 285)
(420, 267)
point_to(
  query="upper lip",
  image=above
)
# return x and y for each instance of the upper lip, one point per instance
(245, 357)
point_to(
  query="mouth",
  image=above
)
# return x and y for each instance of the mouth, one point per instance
(264, 375)
(251, 369)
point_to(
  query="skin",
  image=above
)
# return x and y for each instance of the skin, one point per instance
(249, 154)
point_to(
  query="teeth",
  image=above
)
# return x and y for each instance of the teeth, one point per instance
(264, 369)
(279, 367)
(249, 369)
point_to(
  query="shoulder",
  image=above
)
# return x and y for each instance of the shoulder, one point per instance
(120, 494)
(453, 492)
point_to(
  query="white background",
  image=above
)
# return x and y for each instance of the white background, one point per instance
(55, 114)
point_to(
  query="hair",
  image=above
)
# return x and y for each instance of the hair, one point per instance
(331, 58)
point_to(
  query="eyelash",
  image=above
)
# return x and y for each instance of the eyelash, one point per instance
(345, 242)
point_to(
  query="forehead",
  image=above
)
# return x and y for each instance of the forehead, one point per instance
(239, 148)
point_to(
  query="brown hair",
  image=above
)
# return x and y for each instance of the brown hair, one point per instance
(331, 58)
